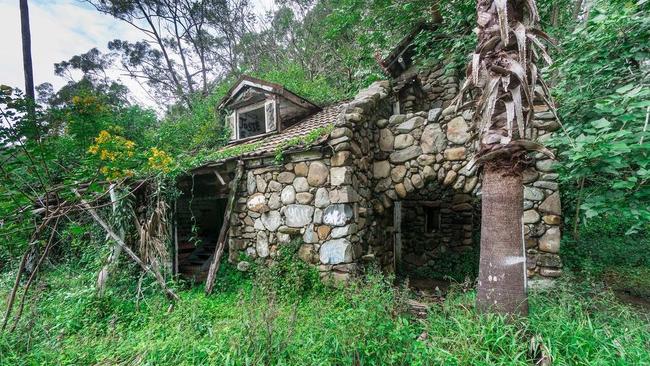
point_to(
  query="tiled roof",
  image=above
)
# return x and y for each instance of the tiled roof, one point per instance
(269, 143)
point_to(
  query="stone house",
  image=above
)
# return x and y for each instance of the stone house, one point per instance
(386, 177)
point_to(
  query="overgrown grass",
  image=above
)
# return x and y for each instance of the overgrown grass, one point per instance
(251, 322)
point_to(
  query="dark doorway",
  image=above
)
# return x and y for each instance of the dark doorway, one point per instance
(199, 217)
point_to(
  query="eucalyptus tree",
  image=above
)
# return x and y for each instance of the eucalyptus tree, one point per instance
(503, 82)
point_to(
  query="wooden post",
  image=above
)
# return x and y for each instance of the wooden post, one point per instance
(221, 243)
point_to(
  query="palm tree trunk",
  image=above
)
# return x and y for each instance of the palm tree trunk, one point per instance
(502, 268)
(27, 50)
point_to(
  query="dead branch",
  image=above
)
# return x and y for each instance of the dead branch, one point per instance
(48, 246)
(216, 258)
(159, 278)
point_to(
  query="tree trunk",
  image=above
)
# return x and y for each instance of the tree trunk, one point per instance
(502, 268)
(27, 50)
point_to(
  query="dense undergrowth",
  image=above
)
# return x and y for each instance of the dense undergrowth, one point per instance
(284, 316)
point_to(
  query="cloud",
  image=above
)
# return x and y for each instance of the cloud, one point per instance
(60, 29)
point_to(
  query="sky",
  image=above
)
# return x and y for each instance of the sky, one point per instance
(61, 29)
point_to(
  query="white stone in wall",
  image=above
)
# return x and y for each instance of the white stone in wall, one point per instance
(272, 220)
(546, 165)
(257, 203)
(262, 244)
(298, 215)
(409, 125)
(386, 140)
(300, 184)
(457, 131)
(433, 139)
(274, 201)
(340, 175)
(403, 141)
(434, 114)
(336, 251)
(405, 154)
(552, 205)
(381, 169)
(533, 194)
(310, 236)
(338, 214)
(343, 231)
(550, 241)
(261, 183)
(288, 195)
(258, 225)
(322, 198)
(251, 186)
(531, 217)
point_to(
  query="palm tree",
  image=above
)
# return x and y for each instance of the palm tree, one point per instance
(502, 82)
(27, 50)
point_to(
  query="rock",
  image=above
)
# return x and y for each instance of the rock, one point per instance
(426, 159)
(552, 219)
(531, 217)
(317, 175)
(405, 154)
(323, 231)
(271, 220)
(258, 225)
(428, 172)
(400, 190)
(449, 110)
(550, 272)
(336, 251)
(396, 119)
(340, 132)
(261, 184)
(546, 165)
(318, 216)
(257, 203)
(417, 181)
(381, 123)
(551, 205)
(345, 194)
(275, 186)
(456, 153)
(300, 184)
(381, 169)
(549, 260)
(298, 215)
(341, 158)
(274, 201)
(288, 195)
(529, 175)
(546, 185)
(340, 175)
(550, 241)
(301, 169)
(547, 125)
(409, 125)
(397, 173)
(544, 115)
(457, 131)
(449, 178)
(470, 183)
(243, 266)
(286, 177)
(433, 139)
(262, 245)
(533, 194)
(310, 236)
(338, 214)
(306, 252)
(251, 186)
(408, 185)
(322, 198)
(528, 204)
(403, 141)
(304, 198)
(386, 140)
(343, 231)
(434, 114)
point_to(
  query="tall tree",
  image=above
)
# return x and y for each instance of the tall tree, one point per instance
(27, 50)
(505, 79)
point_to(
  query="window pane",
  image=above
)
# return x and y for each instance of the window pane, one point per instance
(251, 123)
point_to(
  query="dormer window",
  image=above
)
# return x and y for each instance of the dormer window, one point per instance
(259, 107)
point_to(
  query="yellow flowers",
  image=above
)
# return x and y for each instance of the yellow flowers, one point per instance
(119, 159)
(159, 160)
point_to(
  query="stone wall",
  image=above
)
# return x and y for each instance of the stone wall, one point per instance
(339, 198)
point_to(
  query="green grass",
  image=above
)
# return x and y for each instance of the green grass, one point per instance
(276, 324)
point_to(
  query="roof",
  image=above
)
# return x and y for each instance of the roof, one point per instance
(268, 143)
(245, 81)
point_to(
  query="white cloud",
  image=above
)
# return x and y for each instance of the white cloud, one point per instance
(60, 29)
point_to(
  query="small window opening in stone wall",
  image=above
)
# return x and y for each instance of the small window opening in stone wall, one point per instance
(252, 122)
(431, 220)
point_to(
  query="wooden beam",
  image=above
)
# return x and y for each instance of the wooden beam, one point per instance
(221, 243)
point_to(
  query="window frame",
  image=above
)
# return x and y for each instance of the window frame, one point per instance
(235, 134)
